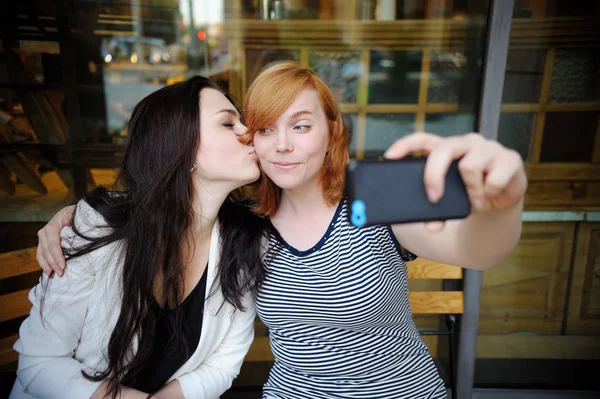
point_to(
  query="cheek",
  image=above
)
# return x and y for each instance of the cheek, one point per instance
(315, 146)
(217, 153)
(261, 144)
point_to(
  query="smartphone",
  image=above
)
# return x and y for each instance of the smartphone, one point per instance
(391, 192)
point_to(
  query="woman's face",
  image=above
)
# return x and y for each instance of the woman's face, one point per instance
(291, 150)
(222, 158)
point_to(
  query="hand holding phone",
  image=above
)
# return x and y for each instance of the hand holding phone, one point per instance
(391, 192)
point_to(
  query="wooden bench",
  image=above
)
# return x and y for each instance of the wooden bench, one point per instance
(16, 304)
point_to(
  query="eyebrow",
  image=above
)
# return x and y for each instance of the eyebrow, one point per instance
(299, 113)
(228, 111)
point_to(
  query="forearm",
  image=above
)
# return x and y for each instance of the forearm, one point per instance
(124, 393)
(130, 393)
(170, 391)
(485, 239)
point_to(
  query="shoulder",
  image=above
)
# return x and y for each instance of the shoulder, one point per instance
(86, 222)
(87, 227)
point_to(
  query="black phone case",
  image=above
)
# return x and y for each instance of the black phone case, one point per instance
(388, 192)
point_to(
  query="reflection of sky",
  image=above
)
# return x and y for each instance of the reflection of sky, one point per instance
(205, 12)
(121, 99)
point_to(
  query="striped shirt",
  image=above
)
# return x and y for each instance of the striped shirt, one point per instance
(339, 319)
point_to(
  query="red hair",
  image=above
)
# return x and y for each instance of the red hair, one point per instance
(271, 93)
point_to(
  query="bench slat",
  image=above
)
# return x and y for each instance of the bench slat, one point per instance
(15, 304)
(425, 269)
(18, 262)
(7, 353)
(436, 302)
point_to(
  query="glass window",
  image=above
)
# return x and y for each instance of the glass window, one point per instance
(524, 73)
(450, 124)
(516, 131)
(575, 76)
(446, 74)
(394, 76)
(384, 129)
(577, 145)
(341, 70)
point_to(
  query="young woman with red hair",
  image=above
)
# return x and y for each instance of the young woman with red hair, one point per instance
(335, 297)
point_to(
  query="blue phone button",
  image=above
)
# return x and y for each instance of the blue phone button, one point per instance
(359, 216)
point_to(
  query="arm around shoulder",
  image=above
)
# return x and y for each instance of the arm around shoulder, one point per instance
(50, 335)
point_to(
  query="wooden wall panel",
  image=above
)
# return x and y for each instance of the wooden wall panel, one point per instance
(527, 292)
(584, 302)
(563, 195)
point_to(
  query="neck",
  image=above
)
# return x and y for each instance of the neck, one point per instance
(206, 204)
(304, 200)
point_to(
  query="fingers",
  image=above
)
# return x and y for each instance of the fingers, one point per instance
(65, 216)
(441, 157)
(502, 171)
(493, 175)
(473, 167)
(416, 142)
(42, 262)
(57, 255)
(49, 251)
(436, 168)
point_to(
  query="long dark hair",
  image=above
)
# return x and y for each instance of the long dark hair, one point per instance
(150, 217)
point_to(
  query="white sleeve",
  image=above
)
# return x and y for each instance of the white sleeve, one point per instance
(216, 374)
(49, 336)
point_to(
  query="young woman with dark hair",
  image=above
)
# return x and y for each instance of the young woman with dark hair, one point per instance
(153, 300)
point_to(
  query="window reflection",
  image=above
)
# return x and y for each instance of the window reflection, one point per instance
(91, 63)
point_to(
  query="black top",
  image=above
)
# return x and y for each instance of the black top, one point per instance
(166, 357)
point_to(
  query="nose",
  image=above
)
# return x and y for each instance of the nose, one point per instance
(283, 143)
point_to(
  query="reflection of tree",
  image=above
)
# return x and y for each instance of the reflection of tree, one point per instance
(341, 71)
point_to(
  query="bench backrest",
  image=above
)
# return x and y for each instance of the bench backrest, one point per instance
(434, 302)
(16, 304)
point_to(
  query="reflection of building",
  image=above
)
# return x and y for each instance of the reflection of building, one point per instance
(418, 71)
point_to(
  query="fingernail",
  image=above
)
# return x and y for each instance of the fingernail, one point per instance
(478, 203)
(433, 194)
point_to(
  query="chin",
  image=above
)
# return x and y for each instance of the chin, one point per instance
(286, 183)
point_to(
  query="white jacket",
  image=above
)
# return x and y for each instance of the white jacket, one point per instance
(80, 311)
